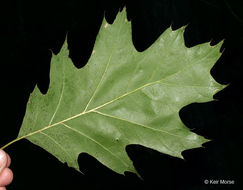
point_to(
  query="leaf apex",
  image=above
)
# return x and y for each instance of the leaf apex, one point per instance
(183, 28)
(218, 46)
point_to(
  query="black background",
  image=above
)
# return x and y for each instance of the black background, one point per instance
(30, 28)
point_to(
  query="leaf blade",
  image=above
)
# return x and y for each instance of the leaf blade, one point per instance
(121, 97)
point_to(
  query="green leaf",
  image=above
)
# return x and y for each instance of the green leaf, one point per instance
(121, 97)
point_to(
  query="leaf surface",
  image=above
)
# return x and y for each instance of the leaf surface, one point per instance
(121, 97)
